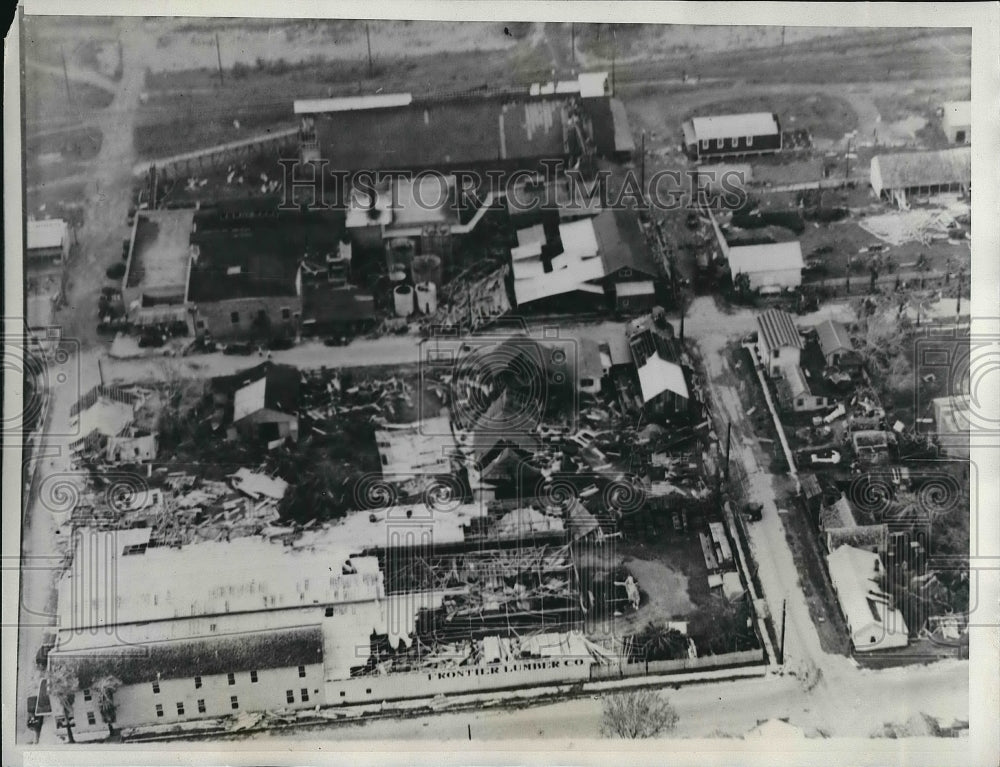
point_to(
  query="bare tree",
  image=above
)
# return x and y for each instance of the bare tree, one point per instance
(105, 689)
(637, 714)
(63, 685)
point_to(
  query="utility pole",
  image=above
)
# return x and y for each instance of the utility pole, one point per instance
(218, 55)
(69, 96)
(368, 39)
(572, 37)
(614, 48)
(729, 443)
(784, 604)
(469, 728)
(642, 165)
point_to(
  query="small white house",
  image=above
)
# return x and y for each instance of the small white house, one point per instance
(873, 623)
(771, 265)
(956, 121)
(778, 341)
(952, 421)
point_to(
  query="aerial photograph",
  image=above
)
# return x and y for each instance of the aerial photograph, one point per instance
(457, 381)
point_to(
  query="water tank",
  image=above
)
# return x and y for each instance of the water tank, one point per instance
(426, 268)
(426, 297)
(402, 251)
(403, 299)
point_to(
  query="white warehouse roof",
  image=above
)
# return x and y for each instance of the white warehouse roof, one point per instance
(769, 257)
(873, 623)
(729, 126)
(352, 103)
(957, 112)
(46, 234)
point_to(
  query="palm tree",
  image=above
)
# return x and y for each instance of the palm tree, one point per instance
(63, 685)
(105, 689)
(658, 642)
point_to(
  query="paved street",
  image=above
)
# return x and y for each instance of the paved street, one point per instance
(729, 709)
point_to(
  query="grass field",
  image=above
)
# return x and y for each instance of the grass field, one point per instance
(823, 115)
(45, 98)
(189, 109)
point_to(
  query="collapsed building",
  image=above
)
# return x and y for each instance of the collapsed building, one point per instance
(266, 624)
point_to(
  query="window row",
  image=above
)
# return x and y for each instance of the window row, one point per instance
(286, 314)
(234, 702)
(230, 677)
(720, 143)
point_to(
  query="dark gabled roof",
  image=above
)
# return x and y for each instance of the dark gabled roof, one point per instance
(833, 337)
(135, 664)
(623, 243)
(777, 329)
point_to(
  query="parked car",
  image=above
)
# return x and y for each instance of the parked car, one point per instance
(755, 511)
(824, 457)
(280, 343)
(152, 338)
(112, 324)
(335, 341)
(33, 722)
(242, 349)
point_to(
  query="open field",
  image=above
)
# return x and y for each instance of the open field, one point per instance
(823, 115)
(189, 109)
(45, 99)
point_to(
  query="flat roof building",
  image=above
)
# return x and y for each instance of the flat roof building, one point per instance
(952, 423)
(770, 265)
(956, 121)
(505, 132)
(159, 258)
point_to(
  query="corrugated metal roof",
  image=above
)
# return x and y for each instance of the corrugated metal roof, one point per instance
(777, 329)
(46, 234)
(769, 257)
(735, 125)
(833, 337)
(352, 103)
(853, 573)
(914, 169)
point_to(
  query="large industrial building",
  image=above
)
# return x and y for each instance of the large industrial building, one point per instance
(899, 177)
(504, 130)
(364, 610)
